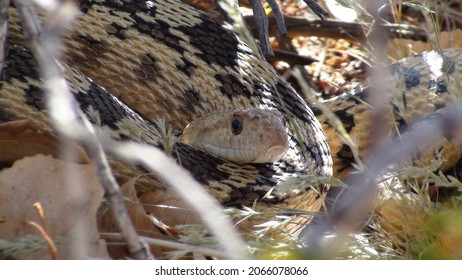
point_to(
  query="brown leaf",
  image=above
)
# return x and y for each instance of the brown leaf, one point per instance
(70, 195)
(164, 205)
(168, 207)
(135, 211)
(138, 216)
(19, 139)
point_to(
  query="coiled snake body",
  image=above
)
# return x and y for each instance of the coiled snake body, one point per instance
(161, 61)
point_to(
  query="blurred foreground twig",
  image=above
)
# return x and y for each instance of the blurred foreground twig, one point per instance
(192, 192)
(354, 203)
(64, 111)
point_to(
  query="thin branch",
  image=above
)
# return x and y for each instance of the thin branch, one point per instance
(318, 10)
(229, 9)
(171, 244)
(290, 57)
(334, 29)
(192, 192)
(261, 21)
(354, 203)
(64, 111)
(3, 34)
(278, 16)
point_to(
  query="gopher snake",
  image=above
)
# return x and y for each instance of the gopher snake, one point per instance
(162, 61)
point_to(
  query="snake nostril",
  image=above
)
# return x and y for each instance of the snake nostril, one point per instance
(237, 125)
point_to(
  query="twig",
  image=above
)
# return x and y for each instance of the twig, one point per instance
(192, 192)
(318, 10)
(334, 29)
(278, 16)
(354, 202)
(261, 21)
(65, 114)
(230, 11)
(171, 244)
(3, 30)
(290, 57)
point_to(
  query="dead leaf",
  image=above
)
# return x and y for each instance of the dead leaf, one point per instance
(19, 139)
(70, 195)
(164, 205)
(168, 207)
(135, 211)
(138, 216)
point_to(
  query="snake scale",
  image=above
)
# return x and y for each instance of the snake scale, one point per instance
(137, 66)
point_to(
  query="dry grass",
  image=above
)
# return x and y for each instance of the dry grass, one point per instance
(416, 215)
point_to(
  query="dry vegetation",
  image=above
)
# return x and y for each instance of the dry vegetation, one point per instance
(416, 214)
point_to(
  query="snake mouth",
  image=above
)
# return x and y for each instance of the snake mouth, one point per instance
(247, 155)
(272, 155)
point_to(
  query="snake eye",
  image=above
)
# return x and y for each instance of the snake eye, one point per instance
(237, 124)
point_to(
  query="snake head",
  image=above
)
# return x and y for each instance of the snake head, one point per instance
(243, 136)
